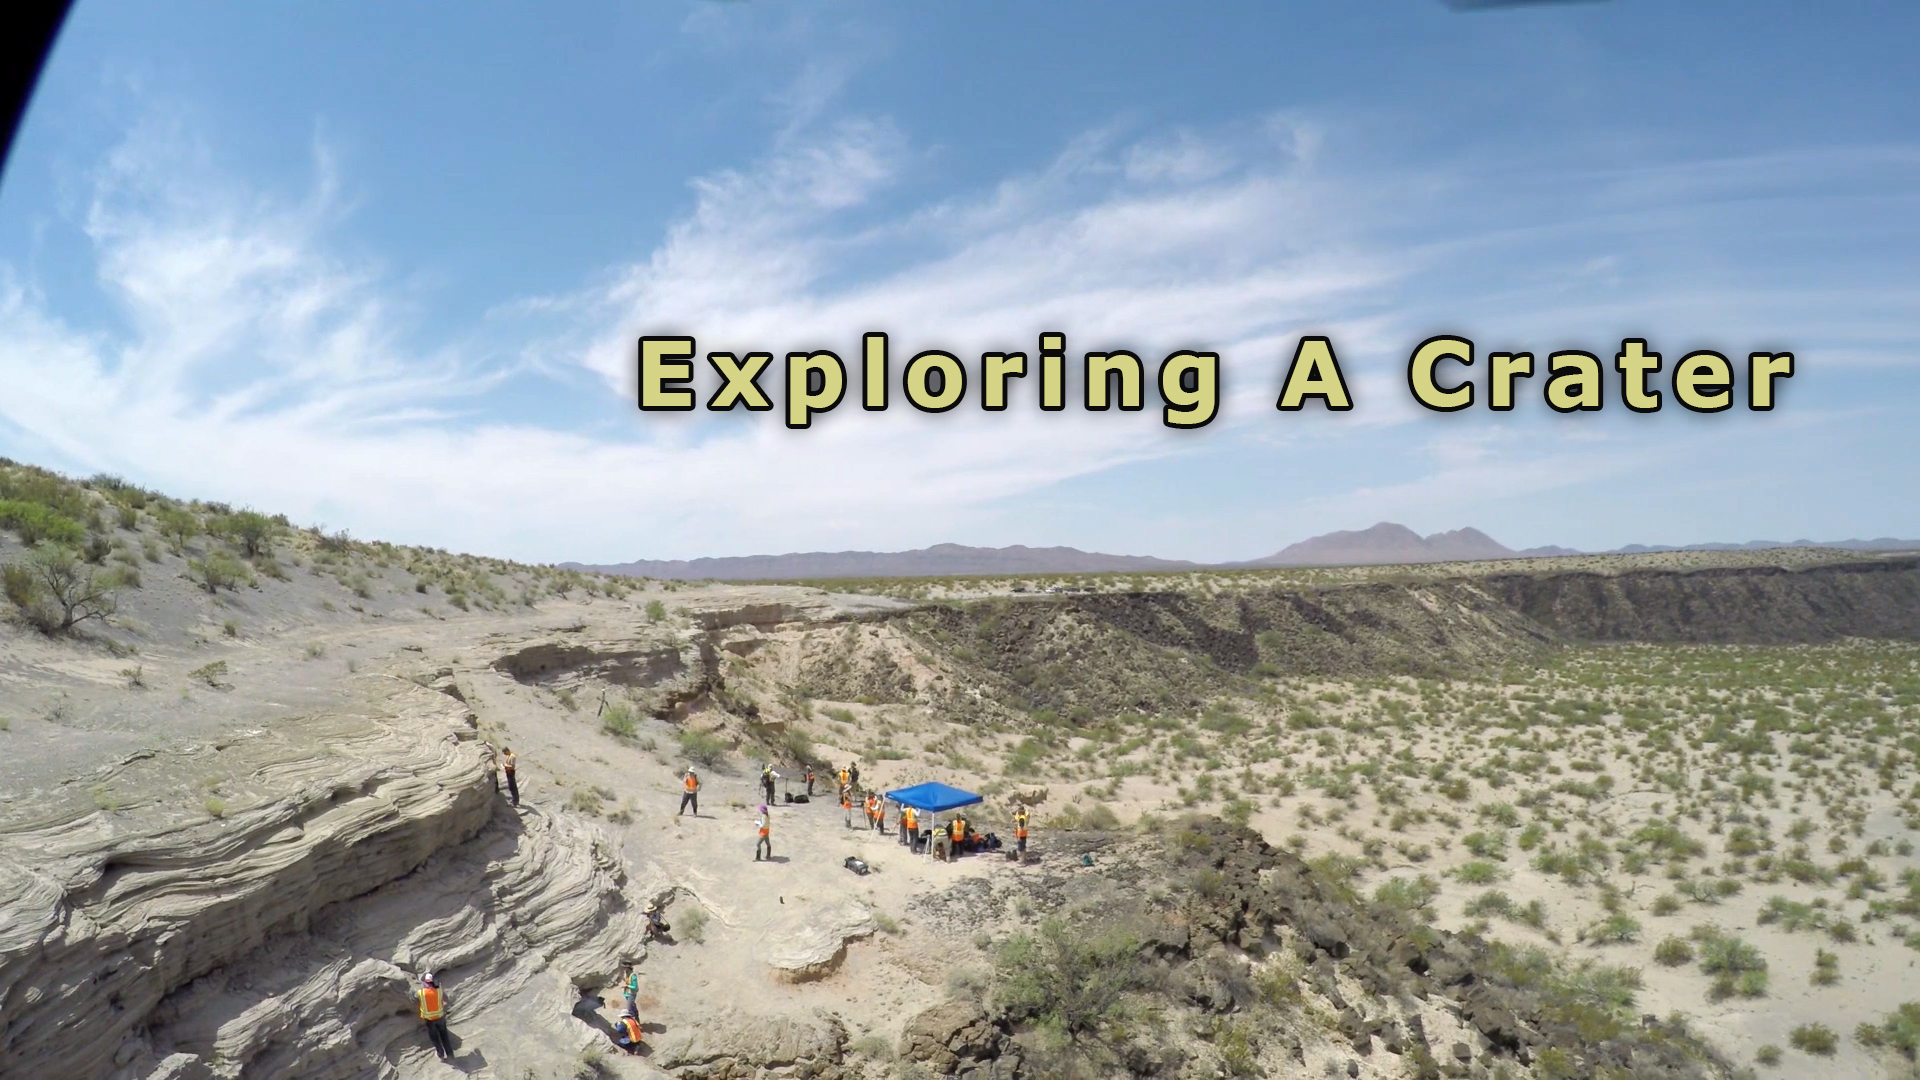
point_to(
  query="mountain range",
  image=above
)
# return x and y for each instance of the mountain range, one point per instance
(1385, 543)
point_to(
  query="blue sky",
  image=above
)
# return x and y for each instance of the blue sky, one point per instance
(383, 267)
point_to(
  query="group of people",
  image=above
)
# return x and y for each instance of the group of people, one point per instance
(917, 832)
(431, 1003)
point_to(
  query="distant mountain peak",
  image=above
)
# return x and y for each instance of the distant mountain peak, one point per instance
(939, 560)
(1388, 542)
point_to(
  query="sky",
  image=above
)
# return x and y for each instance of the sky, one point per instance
(385, 268)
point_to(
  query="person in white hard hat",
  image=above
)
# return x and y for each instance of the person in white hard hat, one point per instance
(690, 797)
(433, 1013)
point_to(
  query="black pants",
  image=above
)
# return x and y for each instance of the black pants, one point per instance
(809, 787)
(764, 846)
(767, 786)
(513, 788)
(691, 798)
(437, 1034)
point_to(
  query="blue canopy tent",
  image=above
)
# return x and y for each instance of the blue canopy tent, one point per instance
(933, 797)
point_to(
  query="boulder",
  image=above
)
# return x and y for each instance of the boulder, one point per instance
(954, 1038)
(813, 946)
(734, 1046)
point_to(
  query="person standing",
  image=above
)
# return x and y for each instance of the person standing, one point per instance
(631, 989)
(691, 796)
(508, 763)
(433, 1013)
(767, 777)
(1020, 832)
(908, 828)
(764, 846)
(853, 774)
(809, 782)
(880, 815)
(846, 803)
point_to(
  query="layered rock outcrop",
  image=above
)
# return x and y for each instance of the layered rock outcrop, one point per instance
(103, 921)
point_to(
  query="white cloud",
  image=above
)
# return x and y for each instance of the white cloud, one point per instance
(259, 364)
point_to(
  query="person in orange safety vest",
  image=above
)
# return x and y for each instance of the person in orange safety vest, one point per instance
(627, 1033)
(433, 1013)
(691, 796)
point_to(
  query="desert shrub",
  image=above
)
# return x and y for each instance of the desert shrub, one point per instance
(1411, 895)
(252, 532)
(178, 525)
(34, 523)
(217, 571)
(1673, 952)
(656, 611)
(1737, 967)
(1792, 916)
(1071, 982)
(1491, 902)
(54, 591)
(1614, 929)
(1898, 1030)
(620, 722)
(1485, 845)
(693, 923)
(1665, 904)
(1479, 872)
(703, 748)
(1814, 1039)
(1826, 968)
(1767, 1055)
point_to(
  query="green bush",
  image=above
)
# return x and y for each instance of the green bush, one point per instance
(703, 748)
(1898, 1030)
(620, 722)
(1406, 894)
(656, 611)
(34, 523)
(249, 530)
(217, 571)
(54, 591)
(1814, 1039)
(1479, 872)
(178, 525)
(1615, 929)
(1491, 902)
(1072, 982)
(1673, 952)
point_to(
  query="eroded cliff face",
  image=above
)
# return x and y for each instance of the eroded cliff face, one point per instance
(104, 917)
(1877, 598)
(1098, 654)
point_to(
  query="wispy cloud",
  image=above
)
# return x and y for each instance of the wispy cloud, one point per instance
(258, 361)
